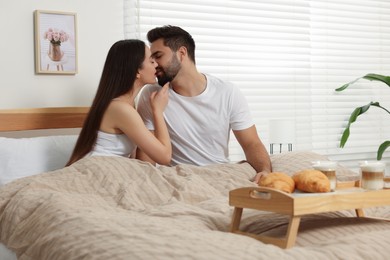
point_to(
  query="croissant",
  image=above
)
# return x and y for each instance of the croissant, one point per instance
(311, 181)
(278, 180)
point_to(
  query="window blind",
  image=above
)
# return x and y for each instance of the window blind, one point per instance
(287, 57)
(348, 40)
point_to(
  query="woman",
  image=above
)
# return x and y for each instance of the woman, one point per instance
(113, 125)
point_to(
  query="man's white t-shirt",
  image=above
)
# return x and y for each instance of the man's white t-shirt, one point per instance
(199, 127)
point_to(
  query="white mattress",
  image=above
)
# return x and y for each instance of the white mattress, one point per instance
(6, 254)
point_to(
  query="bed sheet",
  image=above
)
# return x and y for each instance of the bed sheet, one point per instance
(118, 208)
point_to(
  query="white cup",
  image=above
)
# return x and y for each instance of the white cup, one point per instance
(372, 174)
(329, 169)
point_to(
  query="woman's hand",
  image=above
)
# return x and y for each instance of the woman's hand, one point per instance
(159, 99)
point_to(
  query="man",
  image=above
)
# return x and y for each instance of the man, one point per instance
(202, 109)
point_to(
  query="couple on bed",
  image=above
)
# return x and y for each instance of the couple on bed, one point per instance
(186, 121)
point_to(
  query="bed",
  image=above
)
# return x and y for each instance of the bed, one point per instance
(120, 208)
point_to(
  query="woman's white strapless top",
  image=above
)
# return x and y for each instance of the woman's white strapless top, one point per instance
(112, 145)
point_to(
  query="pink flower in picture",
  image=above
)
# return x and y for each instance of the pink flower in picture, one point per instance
(55, 36)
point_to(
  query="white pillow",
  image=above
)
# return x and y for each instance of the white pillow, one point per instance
(21, 157)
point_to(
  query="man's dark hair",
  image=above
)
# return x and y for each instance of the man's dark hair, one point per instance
(174, 37)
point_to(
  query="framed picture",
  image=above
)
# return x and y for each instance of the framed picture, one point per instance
(55, 42)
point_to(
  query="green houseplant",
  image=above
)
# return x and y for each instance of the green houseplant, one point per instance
(361, 110)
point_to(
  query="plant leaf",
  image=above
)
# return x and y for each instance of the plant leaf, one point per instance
(378, 105)
(344, 137)
(347, 85)
(355, 114)
(377, 77)
(382, 149)
(370, 76)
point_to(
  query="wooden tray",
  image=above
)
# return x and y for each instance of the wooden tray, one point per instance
(348, 195)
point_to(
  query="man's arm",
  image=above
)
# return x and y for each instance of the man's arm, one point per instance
(255, 152)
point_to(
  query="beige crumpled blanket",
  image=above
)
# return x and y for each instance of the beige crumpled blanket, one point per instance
(119, 208)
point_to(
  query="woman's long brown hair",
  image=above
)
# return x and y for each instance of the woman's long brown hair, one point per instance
(123, 60)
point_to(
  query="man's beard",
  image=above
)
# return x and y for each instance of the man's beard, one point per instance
(170, 72)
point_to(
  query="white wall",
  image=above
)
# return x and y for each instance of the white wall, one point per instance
(99, 25)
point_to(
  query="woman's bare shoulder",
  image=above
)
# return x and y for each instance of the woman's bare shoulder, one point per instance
(121, 106)
(119, 111)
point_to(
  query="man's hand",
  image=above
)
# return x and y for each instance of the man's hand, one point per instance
(259, 175)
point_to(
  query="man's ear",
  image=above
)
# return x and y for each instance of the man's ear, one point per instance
(182, 51)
